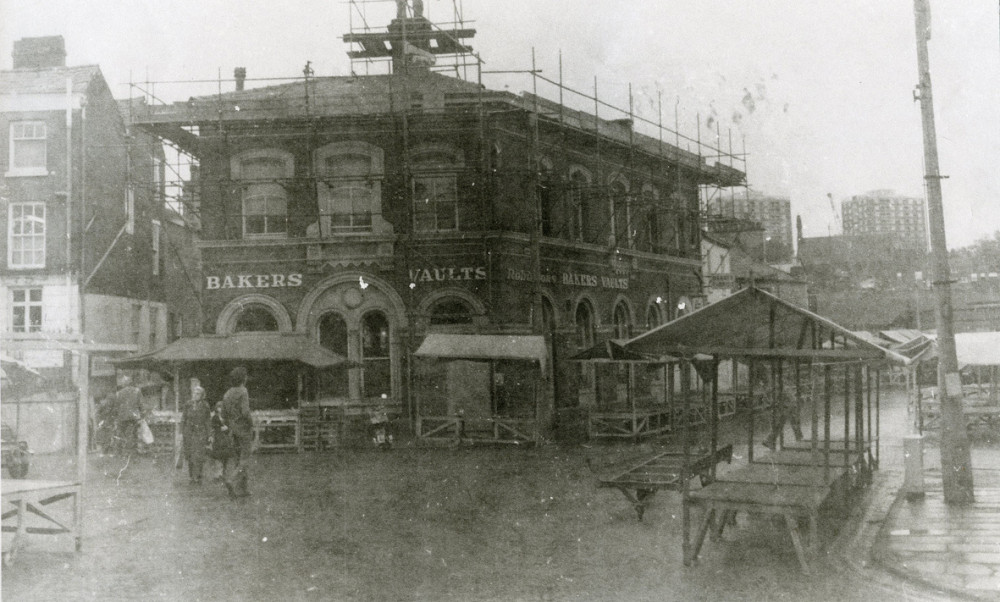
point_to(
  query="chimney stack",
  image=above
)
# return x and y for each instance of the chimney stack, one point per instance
(240, 73)
(39, 53)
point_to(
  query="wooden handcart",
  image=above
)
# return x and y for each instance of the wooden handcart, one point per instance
(665, 470)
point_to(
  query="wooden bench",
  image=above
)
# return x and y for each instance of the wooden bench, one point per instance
(664, 470)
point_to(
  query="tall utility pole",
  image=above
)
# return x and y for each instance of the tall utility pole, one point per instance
(956, 460)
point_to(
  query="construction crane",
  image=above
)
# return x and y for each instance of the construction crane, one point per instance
(836, 214)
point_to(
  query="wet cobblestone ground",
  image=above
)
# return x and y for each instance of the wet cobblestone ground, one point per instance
(414, 523)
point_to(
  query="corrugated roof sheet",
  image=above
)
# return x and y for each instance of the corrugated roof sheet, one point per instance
(47, 81)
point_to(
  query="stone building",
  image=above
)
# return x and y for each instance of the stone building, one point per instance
(366, 212)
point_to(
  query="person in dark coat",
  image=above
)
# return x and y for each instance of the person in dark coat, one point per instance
(787, 411)
(128, 412)
(196, 427)
(236, 415)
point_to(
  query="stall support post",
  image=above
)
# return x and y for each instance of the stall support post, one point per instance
(859, 412)
(847, 415)
(83, 417)
(178, 434)
(714, 412)
(827, 395)
(779, 371)
(750, 415)
(868, 394)
(878, 412)
(685, 489)
(814, 413)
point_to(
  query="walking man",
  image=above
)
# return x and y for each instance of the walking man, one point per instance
(786, 409)
(236, 413)
(128, 412)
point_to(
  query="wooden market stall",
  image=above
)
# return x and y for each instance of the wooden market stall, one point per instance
(281, 367)
(785, 345)
(978, 356)
(630, 414)
(481, 388)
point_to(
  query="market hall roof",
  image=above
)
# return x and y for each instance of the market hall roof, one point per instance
(753, 323)
(240, 347)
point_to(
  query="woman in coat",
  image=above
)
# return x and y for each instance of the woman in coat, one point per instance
(196, 432)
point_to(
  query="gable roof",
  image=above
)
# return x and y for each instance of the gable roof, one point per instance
(48, 81)
(754, 323)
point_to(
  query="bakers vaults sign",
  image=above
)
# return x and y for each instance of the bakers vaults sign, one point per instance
(213, 283)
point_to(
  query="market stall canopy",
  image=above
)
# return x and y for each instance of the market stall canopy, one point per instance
(613, 351)
(242, 347)
(485, 347)
(753, 323)
(972, 348)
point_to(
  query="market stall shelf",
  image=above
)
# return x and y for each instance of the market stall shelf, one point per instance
(792, 502)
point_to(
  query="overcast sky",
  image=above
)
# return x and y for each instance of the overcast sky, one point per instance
(831, 82)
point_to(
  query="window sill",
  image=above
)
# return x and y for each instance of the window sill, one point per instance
(40, 266)
(280, 236)
(26, 172)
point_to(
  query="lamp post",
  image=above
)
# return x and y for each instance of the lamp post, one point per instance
(766, 239)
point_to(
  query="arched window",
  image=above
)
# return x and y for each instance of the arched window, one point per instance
(377, 375)
(586, 373)
(333, 381)
(620, 212)
(435, 189)
(548, 316)
(264, 198)
(333, 333)
(652, 316)
(450, 311)
(648, 230)
(546, 191)
(576, 204)
(351, 186)
(584, 325)
(256, 318)
(622, 321)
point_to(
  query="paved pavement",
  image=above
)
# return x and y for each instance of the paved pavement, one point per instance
(955, 550)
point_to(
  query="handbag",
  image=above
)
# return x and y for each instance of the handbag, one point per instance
(145, 433)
